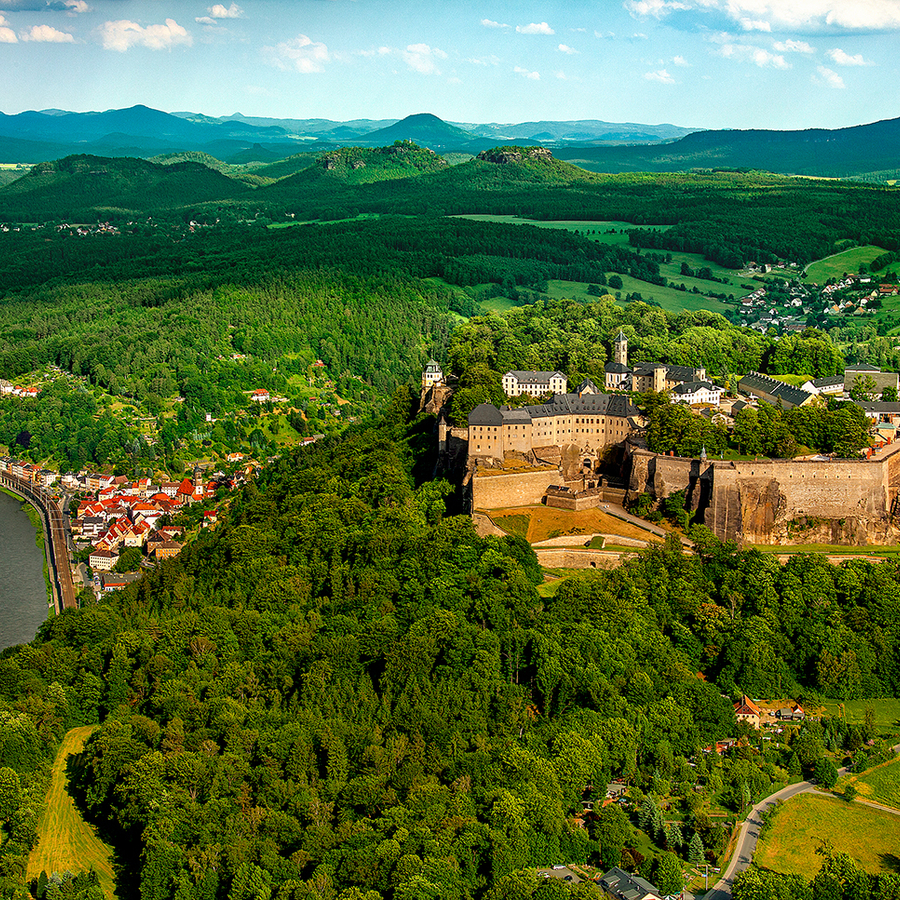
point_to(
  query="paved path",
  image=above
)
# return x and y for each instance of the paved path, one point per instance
(748, 836)
(619, 512)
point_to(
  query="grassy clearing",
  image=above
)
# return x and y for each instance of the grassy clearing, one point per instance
(887, 711)
(830, 549)
(669, 299)
(848, 261)
(497, 305)
(544, 522)
(65, 841)
(881, 784)
(870, 836)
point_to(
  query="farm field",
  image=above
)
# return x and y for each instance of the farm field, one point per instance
(668, 298)
(870, 836)
(846, 261)
(540, 523)
(887, 711)
(65, 841)
(881, 784)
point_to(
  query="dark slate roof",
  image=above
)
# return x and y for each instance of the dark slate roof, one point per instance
(586, 385)
(738, 405)
(755, 381)
(861, 367)
(682, 373)
(690, 387)
(620, 338)
(616, 368)
(648, 367)
(828, 381)
(879, 406)
(512, 416)
(485, 414)
(627, 887)
(539, 377)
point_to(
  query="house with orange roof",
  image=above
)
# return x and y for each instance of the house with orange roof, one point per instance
(745, 710)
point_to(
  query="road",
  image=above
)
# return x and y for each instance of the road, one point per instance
(749, 833)
(57, 546)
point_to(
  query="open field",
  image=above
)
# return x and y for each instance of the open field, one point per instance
(540, 523)
(583, 226)
(65, 841)
(847, 261)
(668, 298)
(887, 711)
(881, 784)
(870, 836)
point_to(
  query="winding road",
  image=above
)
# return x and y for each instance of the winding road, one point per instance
(748, 836)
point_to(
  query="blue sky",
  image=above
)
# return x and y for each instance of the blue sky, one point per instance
(696, 63)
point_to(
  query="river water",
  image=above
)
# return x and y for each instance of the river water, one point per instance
(23, 591)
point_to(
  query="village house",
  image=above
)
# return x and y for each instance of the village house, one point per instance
(745, 710)
(432, 375)
(619, 885)
(694, 392)
(645, 376)
(102, 560)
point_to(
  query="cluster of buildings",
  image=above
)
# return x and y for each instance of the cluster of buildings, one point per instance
(29, 472)
(745, 710)
(10, 389)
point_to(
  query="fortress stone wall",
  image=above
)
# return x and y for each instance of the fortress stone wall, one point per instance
(493, 490)
(780, 501)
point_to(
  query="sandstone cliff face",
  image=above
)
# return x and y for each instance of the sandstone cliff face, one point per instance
(780, 501)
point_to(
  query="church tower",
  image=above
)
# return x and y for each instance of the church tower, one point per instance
(620, 349)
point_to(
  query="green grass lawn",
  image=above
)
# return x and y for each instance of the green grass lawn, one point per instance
(887, 711)
(65, 841)
(834, 550)
(578, 225)
(804, 822)
(881, 784)
(846, 261)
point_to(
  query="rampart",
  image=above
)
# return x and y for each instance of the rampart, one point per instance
(780, 501)
(492, 489)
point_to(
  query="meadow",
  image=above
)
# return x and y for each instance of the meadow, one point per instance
(65, 841)
(887, 710)
(805, 822)
(847, 261)
(541, 523)
(881, 783)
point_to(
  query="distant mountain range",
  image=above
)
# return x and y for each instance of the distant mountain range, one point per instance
(871, 151)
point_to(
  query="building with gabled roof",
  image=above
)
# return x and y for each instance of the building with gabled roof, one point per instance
(533, 383)
(590, 421)
(619, 885)
(745, 710)
(773, 391)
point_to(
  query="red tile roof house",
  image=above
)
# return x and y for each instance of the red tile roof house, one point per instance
(746, 710)
(261, 395)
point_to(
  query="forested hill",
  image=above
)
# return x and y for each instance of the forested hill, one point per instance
(83, 188)
(361, 165)
(837, 153)
(343, 691)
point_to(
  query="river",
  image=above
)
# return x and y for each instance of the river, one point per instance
(23, 591)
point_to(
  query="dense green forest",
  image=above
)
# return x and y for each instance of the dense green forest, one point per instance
(343, 690)
(731, 217)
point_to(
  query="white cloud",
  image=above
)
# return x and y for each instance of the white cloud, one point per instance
(77, 6)
(490, 23)
(656, 8)
(46, 34)
(300, 54)
(525, 73)
(218, 11)
(205, 20)
(680, 61)
(756, 55)
(795, 15)
(791, 46)
(845, 59)
(561, 76)
(604, 34)
(422, 58)
(7, 35)
(535, 28)
(662, 76)
(484, 60)
(122, 34)
(565, 48)
(830, 77)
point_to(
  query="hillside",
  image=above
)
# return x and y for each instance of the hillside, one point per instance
(837, 153)
(361, 165)
(84, 188)
(425, 129)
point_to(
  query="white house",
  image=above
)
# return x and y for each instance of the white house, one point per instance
(694, 392)
(535, 384)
